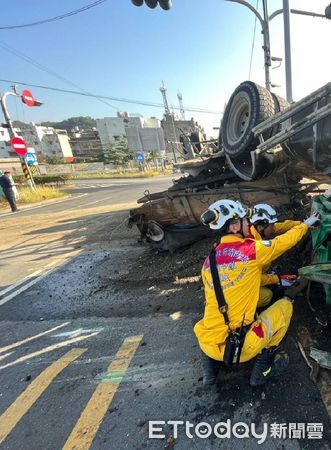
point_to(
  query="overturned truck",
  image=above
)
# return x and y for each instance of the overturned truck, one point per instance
(266, 150)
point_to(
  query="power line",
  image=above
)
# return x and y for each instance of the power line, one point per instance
(116, 99)
(53, 19)
(26, 58)
(253, 43)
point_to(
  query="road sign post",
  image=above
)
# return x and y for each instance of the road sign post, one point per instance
(17, 143)
(140, 157)
(28, 98)
(31, 158)
(19, 146)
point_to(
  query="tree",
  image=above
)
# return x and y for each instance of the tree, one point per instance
(85, 123)
(54, 160)
(21, 125)
(153, 155)
(117, 152)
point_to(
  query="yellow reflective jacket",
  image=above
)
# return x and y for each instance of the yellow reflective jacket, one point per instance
(239, 262)
(280, 228)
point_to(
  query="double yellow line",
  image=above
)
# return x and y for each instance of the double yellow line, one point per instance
(91, 418)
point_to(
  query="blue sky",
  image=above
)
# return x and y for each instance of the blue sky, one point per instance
(201, 47)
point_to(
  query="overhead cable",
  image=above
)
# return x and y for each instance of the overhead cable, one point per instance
(116, 99)
(47, 70)
(53, 19)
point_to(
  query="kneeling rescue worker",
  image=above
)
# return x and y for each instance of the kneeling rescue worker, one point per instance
(230, 330)
(264, 225)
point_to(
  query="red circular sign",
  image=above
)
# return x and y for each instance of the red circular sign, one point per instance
(28, 98)
(19, 146)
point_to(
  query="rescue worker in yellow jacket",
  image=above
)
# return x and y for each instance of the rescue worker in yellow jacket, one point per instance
(264, 225)
(239, 262)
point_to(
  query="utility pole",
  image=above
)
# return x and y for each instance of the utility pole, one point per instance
(163, 90)
(174, 145)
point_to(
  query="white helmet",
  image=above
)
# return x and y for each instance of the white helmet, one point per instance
(263, 213)
(221, 211)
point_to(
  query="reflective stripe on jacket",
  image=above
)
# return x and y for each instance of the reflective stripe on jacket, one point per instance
(239, 262)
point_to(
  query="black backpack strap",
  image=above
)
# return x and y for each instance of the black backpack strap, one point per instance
(223, 307)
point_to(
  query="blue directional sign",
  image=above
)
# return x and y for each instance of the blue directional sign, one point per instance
(140, 157)
(31, 159)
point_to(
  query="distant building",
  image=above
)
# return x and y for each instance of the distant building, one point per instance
(48, 142)
(174, 130)
(85, 144)
(143, 134)
(5, 149)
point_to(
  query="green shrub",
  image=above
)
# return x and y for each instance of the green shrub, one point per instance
(44, 179)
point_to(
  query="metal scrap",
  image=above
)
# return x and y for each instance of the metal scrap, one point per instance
(321, 357)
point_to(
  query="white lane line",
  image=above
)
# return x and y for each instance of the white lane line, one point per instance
(5, 355)
(47, 349)
(18, 283)
(90, 203)
(42, 206)
(31, 338)
(34, 281)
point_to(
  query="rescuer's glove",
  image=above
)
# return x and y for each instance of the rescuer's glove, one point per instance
(312, 220)
(287, 280)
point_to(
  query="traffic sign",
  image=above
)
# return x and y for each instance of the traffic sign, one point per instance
(140, 157)
(19, 146)
(31, 159)
(28, 98)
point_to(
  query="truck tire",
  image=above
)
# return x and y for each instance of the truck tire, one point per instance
(280, 105)
(249, 105)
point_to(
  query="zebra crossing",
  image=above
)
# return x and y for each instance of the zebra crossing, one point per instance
(99, 185)
(92, 186)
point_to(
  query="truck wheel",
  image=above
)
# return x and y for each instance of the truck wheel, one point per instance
(280, 105)
(249, 105)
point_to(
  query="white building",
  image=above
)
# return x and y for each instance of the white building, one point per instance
(143, 134)
(48, 142)
(5, 149)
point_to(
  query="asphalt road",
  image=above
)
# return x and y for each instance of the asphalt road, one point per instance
(93, 193)
(38, 238)
(95, 350)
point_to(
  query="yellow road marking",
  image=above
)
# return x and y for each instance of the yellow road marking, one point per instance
(48, 349)
(91, 418)
(18, 343)
(23, 403)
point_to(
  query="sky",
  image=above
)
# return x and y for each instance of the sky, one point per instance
(201, 48)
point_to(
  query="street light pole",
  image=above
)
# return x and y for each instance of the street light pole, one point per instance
(288, 57)
(287, 37)
(266, 46)
(264, 21)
